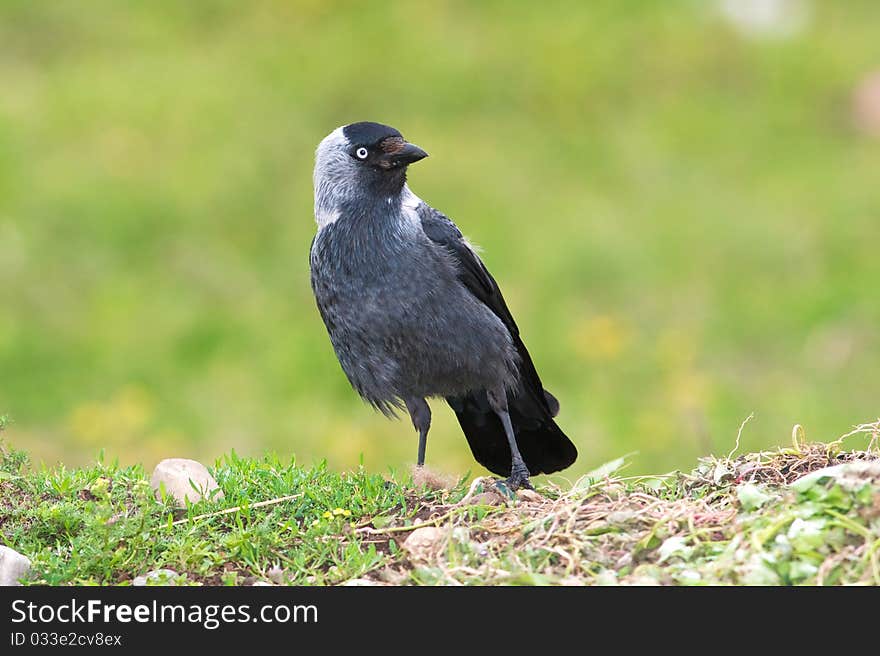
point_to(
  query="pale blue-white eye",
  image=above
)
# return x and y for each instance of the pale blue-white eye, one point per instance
(362, 153)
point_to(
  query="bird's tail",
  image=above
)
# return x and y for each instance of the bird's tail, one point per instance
(543, 445)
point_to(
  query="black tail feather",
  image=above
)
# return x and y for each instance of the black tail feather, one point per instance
(543, 445)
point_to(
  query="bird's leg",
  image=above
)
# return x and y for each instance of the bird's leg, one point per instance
(420, 413)
(519, 473)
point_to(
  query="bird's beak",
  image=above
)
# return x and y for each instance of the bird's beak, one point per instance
(407, 154)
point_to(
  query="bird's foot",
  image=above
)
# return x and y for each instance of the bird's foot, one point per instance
(519, 478)
(508, 487)
(519, 483)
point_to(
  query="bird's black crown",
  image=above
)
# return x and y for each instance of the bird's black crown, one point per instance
(367, 133)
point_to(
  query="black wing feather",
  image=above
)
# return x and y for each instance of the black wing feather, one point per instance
(544, 446)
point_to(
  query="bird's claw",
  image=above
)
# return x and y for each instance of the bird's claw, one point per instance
(518, 479)
(519, 483)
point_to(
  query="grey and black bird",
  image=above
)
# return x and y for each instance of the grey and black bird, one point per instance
(413, 313)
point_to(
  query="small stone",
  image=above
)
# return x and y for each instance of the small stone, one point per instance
(176, 474)
(491, 497)
(156, 577)
(13, 566)
(276, 575)
(530, 495)
(423, 543)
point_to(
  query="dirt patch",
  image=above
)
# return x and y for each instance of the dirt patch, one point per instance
(645, 532)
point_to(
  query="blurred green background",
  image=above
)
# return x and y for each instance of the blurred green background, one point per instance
(680, 200)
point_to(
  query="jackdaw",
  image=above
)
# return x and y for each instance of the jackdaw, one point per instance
(413, 313)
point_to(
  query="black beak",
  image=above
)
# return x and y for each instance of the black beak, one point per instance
(409, 154)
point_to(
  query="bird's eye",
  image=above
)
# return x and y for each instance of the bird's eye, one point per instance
(362, 153)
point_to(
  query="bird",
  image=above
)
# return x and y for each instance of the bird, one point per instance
(413, 313)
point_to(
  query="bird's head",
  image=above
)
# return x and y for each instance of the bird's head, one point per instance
(361, 161)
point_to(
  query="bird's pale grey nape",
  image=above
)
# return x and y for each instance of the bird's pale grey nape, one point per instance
(330, 178)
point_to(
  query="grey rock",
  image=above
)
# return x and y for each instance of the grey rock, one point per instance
(156, 577)
(13, 566)
(276, 575)
(176, 474)
(424, 543)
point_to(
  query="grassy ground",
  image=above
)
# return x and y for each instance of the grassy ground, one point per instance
(682, 216)
(776, 517)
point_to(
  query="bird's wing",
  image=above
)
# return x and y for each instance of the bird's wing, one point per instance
(471, 271)
(476, 278)
(542, 443)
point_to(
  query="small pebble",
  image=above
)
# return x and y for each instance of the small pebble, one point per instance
(156, 577)
(13, 566)
(423, 543)
(176, 474)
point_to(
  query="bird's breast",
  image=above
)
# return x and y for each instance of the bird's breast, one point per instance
(387, 255)
(400, 320)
